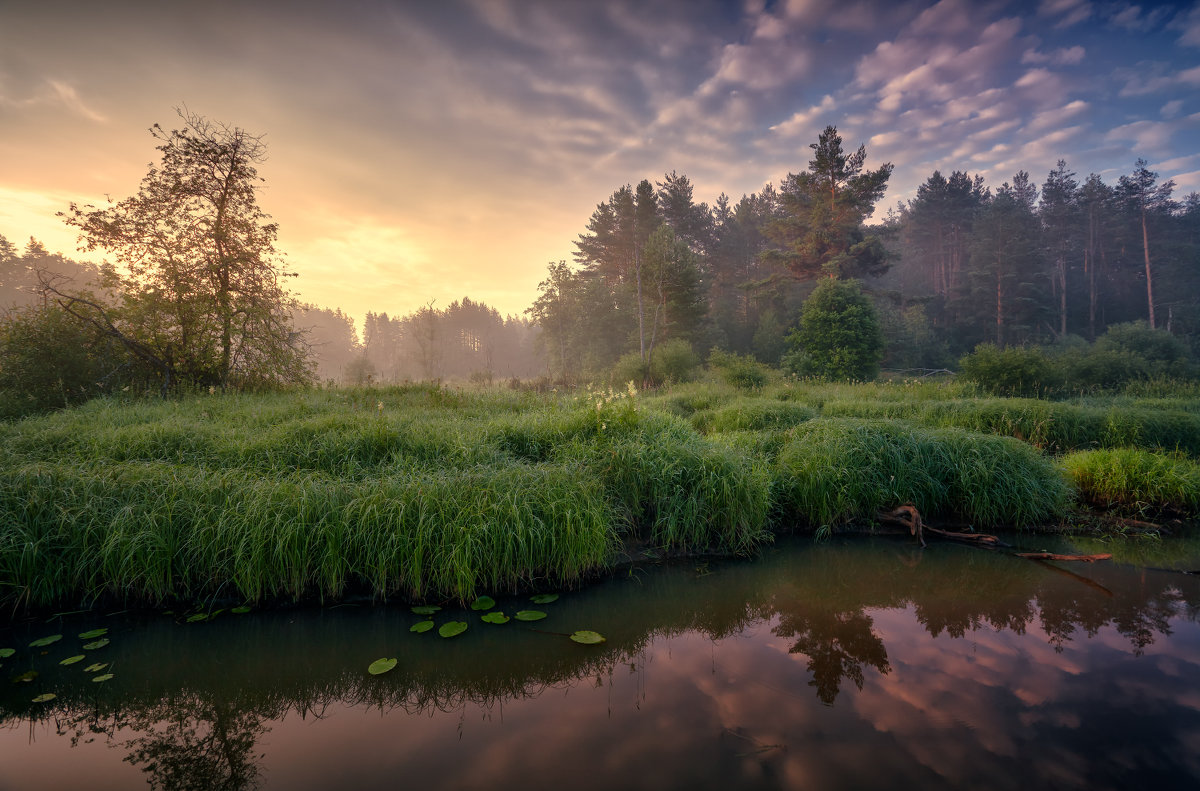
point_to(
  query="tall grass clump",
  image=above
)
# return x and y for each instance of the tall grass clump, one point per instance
(1136, 479)
(752, 414)
(836, 470)
(154, 532)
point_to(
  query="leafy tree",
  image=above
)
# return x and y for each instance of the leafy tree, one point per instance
(820, 230)
(203, 299)
(839, 336)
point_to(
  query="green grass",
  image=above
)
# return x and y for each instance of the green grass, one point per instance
(835, 470)
(424, 492)
(1136, 479)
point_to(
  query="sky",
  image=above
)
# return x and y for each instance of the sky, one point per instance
(425, 150)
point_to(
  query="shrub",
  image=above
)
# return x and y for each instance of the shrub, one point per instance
(741, 371)
(673, 361)
(839, 336)
(1015, 371)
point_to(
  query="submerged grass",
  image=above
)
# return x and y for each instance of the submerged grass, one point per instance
(429, 492)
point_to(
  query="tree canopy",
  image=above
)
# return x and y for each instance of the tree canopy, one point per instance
(200, 283)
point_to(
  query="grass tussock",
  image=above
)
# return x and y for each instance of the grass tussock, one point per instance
(1136, 479)
(835, 470)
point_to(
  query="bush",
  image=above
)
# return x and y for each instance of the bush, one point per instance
(49, 360)
(741, 371)
(839, 336)
(1015, 371)
(671, 362)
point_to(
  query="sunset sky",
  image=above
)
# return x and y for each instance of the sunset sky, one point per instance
(423, 150)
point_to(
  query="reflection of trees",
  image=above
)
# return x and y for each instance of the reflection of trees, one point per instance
(198, 745)
(197, 723)
(838, 645)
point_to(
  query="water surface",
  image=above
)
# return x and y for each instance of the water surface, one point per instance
(859, 663)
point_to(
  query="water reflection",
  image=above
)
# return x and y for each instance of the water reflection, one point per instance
(951, 667)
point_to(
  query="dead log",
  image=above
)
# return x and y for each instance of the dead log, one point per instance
(1056, 556)
(908, 516)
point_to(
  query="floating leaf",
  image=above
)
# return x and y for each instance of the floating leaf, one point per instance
(483, 603)
(45, 641)
(103, 641)
(587, 637)
(495, 617)
(426, 609)
(28, 675)
(72, 660)
(381, 666)
(198, 617)
(45, 697)
(530, 615)
(453, 628)
(240, 610)
(93, 634)
(5, 653)
(95, 667)
(421, 626)
(105, 677)
(544, 598)
(215, 613)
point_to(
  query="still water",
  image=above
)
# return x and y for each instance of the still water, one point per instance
(863, 662)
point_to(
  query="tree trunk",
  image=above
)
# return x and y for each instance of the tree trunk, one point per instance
(1149, 279)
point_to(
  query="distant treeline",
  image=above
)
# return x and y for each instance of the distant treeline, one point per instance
(960, 264)
(465, 340)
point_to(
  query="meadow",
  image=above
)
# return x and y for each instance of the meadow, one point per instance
(424, 492)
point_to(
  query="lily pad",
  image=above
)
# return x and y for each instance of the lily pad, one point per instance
(45, 641)
(198, 617)
(240, 610)
(45, 697)
(103, 641)
(28, 675)
(453, 628)
(381, 666)
(544, 598)
(483, 603)
(73, 659)
(93, 634)
(103, 678)
(495, 617)
(5, 653)
(530, 615)
(95, 667)
(421, 626)
(426, 609)
(587, 637)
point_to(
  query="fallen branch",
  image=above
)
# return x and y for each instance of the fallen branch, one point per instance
(908, 516)
(1055, 556)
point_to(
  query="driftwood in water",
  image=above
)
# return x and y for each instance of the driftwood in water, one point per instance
(908, 516)
(1056, 556)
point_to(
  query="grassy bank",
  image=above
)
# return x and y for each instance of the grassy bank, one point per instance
(426, 492)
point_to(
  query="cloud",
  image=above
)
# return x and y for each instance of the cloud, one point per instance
(1070, 12)
(1189, 23)
(802, 122)
(1133, 19)
(54, 93)
(1171, 109)
(1149, 77)
(1067, 56)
